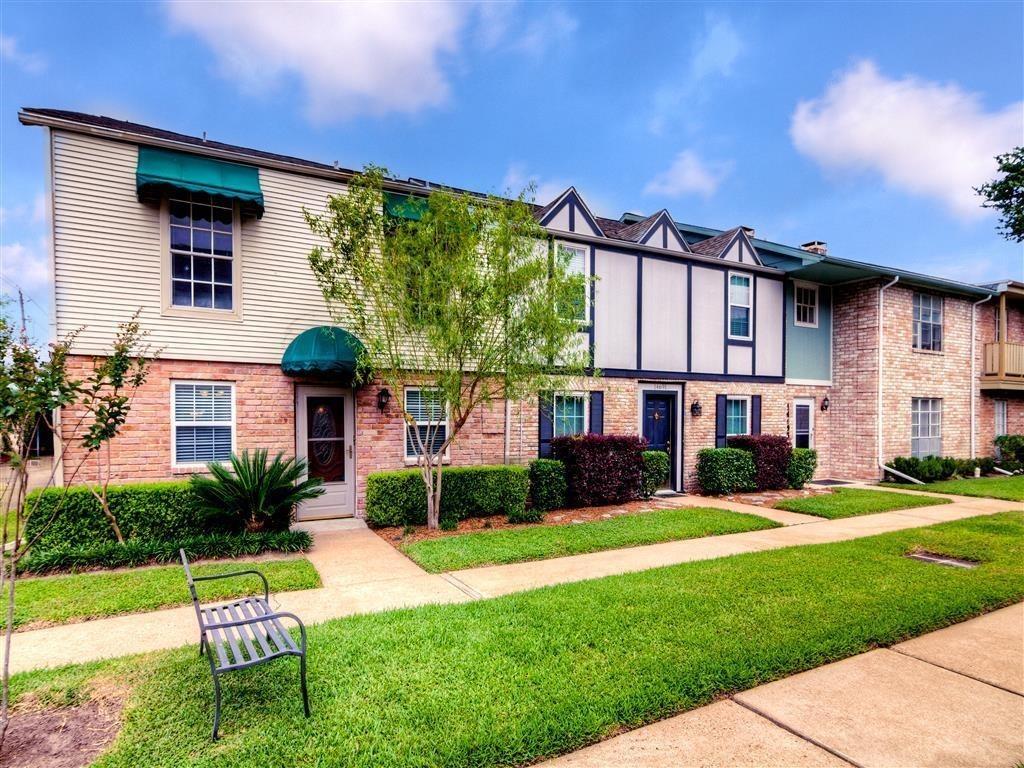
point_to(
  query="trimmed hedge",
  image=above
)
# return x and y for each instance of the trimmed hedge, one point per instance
(548, 487)
(725, 470)
(655, 472)
(399, 497)
(801, 467)
(601, 469)
(135, 552)
(932, 469)
(146, 511)
(772, 454)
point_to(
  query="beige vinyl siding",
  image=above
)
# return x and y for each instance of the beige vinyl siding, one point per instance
(108, 260)
(708, 317)
(664, 315)
(615, 310)
(768, 315)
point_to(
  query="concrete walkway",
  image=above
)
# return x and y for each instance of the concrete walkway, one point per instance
(362, 573)
(950, 698)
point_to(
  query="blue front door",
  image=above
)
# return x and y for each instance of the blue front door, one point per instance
(660, 426)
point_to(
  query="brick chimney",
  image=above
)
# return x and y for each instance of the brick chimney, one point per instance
(819, 247)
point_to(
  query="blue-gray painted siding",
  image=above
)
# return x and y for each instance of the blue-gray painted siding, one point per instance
(809, 350)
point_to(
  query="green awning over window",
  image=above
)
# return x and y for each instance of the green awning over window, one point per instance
(404, 206)
(323, 352)
(161, 172)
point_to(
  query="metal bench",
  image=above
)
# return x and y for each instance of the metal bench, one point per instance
(243, 634)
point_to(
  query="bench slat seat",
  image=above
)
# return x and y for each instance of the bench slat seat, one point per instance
(243, 633)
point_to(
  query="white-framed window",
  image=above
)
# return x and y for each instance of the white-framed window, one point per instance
(927, 322)
(739, 306)
(576, 256)
(926, 427)
(202, 422)
(427, 408)
(805, 300)
(737, 416)
(1000, 408)
(569, 415)
(201, 235)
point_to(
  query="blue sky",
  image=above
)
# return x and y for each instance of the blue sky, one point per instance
(861, 124)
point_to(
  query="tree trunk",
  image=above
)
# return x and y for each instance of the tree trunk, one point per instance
(433, 508)
(110, 517)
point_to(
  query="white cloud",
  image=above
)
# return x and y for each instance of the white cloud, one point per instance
(25, 213)
(502, 26)
(32, 63)
(688, 174)
(929, 139)
(351, 58)
(714, 54)
(25, 266)
(545, 190)
(550, 29)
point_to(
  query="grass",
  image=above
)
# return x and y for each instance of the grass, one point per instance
(451, 553)
(849, 502)
(511, 680)
(1007, 488)
(60, 599)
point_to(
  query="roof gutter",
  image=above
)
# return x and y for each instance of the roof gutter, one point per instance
(878, 405)
(974, 382)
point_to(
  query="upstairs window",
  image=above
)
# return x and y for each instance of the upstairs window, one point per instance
(927, 322)
(202, 252)
(926, 427)
(430, 420)
(806, 302)
(576, 256)
(569, 414)
(739, 306)
(203, 421)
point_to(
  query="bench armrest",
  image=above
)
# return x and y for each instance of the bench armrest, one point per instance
(266, 585)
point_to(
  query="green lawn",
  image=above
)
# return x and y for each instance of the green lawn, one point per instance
(1007, 488)
(60, 599)
(510, 680)
(451, 553)
(848, 502)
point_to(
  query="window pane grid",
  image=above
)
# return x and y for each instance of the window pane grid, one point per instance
(577, 265)
(201, 253)
(569, 416)
(927, 322)
(806, 305)
(736, 417)
(926, 427)
(739, 306)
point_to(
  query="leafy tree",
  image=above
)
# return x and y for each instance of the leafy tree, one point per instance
(1006, 194)
(470, 302)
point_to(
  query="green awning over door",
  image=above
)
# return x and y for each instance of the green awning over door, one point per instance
(162, 171)
(324, 352)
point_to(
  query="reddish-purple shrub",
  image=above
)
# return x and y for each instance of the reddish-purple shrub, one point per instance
(601, 469)
(772, 454)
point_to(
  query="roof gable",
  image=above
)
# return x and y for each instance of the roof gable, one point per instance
(568, 213)
(733, 245)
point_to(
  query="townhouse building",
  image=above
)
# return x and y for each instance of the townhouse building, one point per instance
(696, 333)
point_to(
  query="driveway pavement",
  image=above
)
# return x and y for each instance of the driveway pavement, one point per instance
(949, 698)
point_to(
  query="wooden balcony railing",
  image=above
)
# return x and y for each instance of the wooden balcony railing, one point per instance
(1004, 360)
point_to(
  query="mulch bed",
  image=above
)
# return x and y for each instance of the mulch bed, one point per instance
(771, 498)
(70, 737)
(396, 535)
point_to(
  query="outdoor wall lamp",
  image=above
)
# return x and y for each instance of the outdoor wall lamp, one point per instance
(383, 398)
(825, 404)
(695, 408)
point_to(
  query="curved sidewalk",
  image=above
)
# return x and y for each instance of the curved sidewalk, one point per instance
(362, 573)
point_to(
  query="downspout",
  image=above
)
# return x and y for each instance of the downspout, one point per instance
(974, 383)
(878, 414)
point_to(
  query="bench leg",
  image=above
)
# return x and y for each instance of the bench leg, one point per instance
(202, 644)
(302, 682)
(216, 705)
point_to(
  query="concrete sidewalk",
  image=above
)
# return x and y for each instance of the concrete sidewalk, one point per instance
(362, 573)
(949, 698)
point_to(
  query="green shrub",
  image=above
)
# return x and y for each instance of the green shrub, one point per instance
(136, 552)
(400, 498)
(1011, 449)
(725, 470)
(145, 511)
(256, 494)
(932, 469)
(654, 473)
(987, 464)
(548, 486)
(801, 466)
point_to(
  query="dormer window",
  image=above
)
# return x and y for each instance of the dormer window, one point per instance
(201, 235)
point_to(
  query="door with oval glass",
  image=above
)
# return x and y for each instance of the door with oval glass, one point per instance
(324, 437)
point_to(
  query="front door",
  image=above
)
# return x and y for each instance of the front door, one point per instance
(660, 426)
(803, 423)
(324, 432)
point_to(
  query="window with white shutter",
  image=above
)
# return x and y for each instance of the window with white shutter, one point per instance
(202, 421)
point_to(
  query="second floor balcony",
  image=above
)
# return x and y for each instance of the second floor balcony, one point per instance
(1004, 358)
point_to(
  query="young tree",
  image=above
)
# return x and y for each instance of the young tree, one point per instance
(470, 303)
(1006, 194)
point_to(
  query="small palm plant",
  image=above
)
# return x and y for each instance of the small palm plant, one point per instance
(255, 493)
